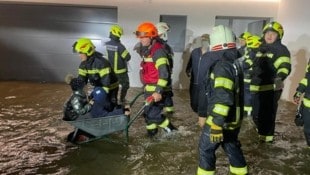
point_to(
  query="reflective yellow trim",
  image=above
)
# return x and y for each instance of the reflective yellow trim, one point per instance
(269, 55)
(209, 120)
(148, 59)
(162, 82)
(165, 123)
(150, 88)
(246, 80)
(124, 54)
(268, 87)
(223, 82)
(248, 108)
(114, 85)
(306, 102)
(106, 89)
(280, 61)
(104, 71)
(161, 61)
(238, 170)
(212, 76)
(265, 138)
(221, 109)
(115, 68)
(82, 72)
(201, 171)
(119, 71)
(249, 61)
(259, 54)
(304, 82)
(151, 126)
(169, 109)
(283, 70)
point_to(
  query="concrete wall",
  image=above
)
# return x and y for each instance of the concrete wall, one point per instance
(200, 19)
(294, 16)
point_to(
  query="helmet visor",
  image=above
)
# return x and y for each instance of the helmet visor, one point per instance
(141, 34)
(73, 47)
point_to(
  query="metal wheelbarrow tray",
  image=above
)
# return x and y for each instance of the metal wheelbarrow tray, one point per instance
(101, 127)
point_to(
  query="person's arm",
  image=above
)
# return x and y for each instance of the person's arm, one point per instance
(124, 53)
(161, 63)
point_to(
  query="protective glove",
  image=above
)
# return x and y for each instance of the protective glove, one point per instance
(296, 97)
(216, 133)
(278, 83)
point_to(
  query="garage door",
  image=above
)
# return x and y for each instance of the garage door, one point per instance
(36, 40)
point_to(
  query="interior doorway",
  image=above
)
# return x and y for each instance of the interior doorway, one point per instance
(254, 25)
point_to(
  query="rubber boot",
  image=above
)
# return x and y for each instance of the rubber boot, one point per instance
(170, 128)
(152, 132)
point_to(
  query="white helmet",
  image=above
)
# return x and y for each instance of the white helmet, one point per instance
(222, 38)
(163, 29)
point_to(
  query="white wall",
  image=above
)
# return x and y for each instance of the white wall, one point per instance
(200, 19)
(294, 16)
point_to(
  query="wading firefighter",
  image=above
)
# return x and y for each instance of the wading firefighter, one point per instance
(155, 76)
(225, 106)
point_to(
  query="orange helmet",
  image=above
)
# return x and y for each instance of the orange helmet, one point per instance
(146, 29)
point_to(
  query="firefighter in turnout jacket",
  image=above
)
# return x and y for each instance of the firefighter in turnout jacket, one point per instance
(271, 66)
(304, 89)
(225, 106)
(95, 68)
(118, 57)
(155, 75)
(163, 29)
(252, 44)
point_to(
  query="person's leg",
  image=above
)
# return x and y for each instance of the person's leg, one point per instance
(232, 148)
(207, 157)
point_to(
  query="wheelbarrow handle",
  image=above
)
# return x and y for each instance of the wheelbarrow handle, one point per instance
(135, 99)
(148, 102)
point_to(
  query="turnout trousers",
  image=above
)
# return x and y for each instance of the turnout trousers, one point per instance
(265, 106)
(231, 146)
(306, 117)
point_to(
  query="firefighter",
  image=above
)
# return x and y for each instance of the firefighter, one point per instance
(163, 29)
(119, 57)
(196, 70)
(155, 75)
(95, 68)
(304, 89)
(252, 44)
(242, 40)
(225, 105)
(271, 67)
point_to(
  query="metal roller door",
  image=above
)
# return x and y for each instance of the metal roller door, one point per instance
(36, 40)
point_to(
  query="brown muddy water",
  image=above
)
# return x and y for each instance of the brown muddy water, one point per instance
(32, 140)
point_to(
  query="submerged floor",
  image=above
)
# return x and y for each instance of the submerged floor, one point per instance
(32, 140)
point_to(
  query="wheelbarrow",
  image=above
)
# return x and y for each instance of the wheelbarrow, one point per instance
(102, 127)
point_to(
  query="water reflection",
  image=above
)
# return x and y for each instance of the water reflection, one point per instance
(32, 140)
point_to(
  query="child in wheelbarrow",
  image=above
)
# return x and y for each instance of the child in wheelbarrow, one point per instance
(79, 107)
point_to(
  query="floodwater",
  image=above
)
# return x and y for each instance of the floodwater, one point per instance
(33, 140)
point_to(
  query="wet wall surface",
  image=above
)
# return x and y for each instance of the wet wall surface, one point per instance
(33, 140)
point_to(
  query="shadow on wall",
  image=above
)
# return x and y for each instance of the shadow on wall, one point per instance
(20, 65)
(184, 80)
(299, 60)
